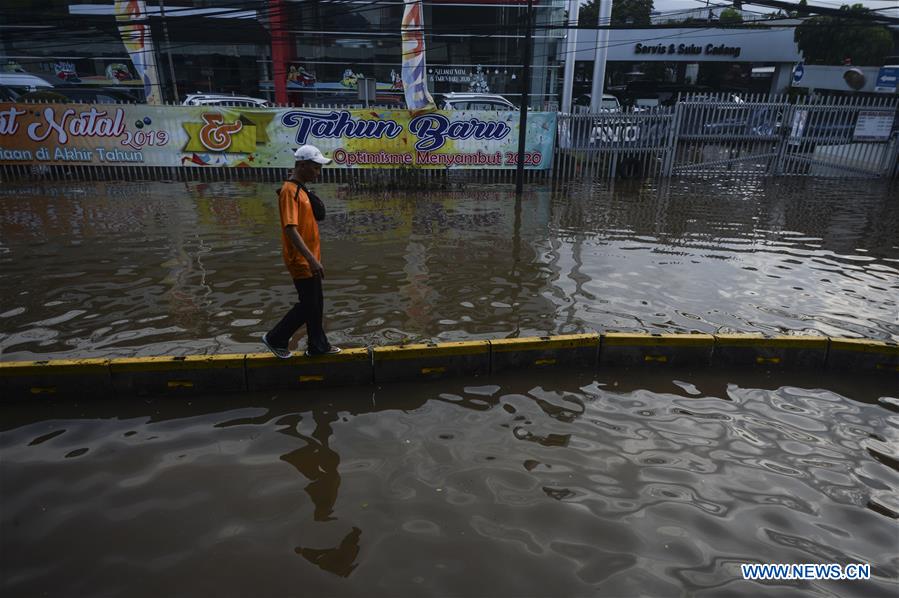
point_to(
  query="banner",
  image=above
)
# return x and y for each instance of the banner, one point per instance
(415, 85)
(135, 29)
(232, 137)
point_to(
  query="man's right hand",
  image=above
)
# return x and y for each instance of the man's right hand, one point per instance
(316, 267)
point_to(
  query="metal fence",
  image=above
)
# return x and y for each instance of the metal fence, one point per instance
(756, 135)
(701, 135)
(380, 178)
(610, 144)
(360, 177)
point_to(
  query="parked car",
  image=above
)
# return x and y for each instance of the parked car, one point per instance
(644, 104)
(713, 98)
(727, 115)
(14, 85)
(473, 101)
(609, 102)
(757, 122)
(218, 99)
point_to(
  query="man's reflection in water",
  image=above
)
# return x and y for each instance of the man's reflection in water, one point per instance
(318, 463)
(338, 561)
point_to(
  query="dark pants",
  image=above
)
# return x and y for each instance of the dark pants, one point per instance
(309, 310)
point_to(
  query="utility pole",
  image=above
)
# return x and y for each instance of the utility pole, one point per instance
(168, 50)
(525, 91)
(570, 50)
(604, 21)
(280, 49)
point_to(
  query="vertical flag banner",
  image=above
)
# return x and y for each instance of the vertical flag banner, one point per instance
(415, 82)
(135, 29)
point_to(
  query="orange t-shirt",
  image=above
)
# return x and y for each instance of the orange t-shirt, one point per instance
(298, 213)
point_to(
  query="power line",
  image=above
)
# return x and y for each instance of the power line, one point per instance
(472, 31)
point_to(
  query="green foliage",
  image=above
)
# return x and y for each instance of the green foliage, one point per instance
(829, 40)
(587, 15)
(624, 12)
(730, 16)
(801, 12)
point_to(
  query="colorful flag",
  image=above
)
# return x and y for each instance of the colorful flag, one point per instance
(135, 29)
(415, 81)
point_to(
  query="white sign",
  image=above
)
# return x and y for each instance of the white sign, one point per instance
(696, 44)
(449, 75)
(873, 125)
(887, 79)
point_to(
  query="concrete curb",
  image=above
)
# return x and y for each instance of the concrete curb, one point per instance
(206, 374)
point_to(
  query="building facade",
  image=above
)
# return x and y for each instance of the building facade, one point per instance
(757, 60)
(322, 49)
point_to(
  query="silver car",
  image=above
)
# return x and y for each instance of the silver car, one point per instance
(218, 99)
(474, 101)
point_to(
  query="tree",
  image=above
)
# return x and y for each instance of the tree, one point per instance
(730, 16)
(830, 40)
(800, 13)
(624, 12)
(588, 14)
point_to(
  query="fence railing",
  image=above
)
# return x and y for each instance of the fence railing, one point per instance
(755, 135)
(700, 135)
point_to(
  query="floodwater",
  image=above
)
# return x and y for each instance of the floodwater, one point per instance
(567, 484)
(570, 485)
(125, 269)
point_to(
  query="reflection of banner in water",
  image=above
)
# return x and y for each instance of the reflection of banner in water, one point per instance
(414, 83)
(135, 29)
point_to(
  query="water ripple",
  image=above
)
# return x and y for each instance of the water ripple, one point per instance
(203, 260)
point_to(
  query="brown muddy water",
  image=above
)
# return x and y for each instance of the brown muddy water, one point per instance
(568, 485)
(124, 269)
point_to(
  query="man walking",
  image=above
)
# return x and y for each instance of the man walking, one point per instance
(301, 247)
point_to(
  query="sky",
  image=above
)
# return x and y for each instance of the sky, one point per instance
(673, 5)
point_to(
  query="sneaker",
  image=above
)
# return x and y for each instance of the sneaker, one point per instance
(283, 353)
(332, 351)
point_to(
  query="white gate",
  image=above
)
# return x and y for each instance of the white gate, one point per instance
(755, 135)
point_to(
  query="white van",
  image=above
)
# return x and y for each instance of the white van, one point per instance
(218, 99)
(473, 101)
(14, 85)
(609, 103)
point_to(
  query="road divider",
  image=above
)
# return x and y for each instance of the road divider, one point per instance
(210, 374)
(634, 349)
(428, 361)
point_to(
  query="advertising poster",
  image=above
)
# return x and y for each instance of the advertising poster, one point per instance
(144, 135)
(135, 29)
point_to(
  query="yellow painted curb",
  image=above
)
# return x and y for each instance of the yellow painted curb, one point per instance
(624, 339)
(265, 360)
(771, 342)
(861, 345)
(418, 351)
(262, 371)
(55, 366)
(423, 361)
(565, 341)
(165, 364)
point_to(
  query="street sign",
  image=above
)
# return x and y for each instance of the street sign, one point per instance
(887, 79)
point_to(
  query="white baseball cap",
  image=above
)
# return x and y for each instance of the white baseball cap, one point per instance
(310, 152)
